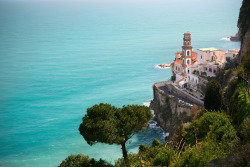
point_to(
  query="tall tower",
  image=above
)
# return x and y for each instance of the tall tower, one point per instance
(186, 52)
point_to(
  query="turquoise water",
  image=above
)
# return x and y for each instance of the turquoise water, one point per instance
(59, 58)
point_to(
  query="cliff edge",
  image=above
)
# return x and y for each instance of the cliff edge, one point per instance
(244, 27)
(171, 107)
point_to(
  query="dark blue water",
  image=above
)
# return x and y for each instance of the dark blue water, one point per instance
(58, 58)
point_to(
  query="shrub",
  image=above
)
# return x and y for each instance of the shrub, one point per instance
(173, 78)
(217, 127)
(204, 74)
(81, 160)
(205, 152)
(213, 96)
(245, 129)
(240, 70)
(155, 143)
(164, 158)
(240, 106)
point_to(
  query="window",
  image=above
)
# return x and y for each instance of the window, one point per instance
(188, 52)
(188, 70)
(176, 67)
(196, 81)
(210, 69)
(214, 71)
(201, 57)
(212, 58)
(188, 62)
(206, 68)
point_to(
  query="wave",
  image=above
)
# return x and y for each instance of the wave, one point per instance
(159, 66)
(146, 104)
(225, 39)
(154, 125)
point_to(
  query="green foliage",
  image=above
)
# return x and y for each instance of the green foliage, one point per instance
(246, 61)
(180, 134)
(240, 70)
(195, 157)
(75, 161)
(173, 78)
(217, 138)
(216, 127)
(213, 96)
(167, 98)
(165, 157)
(240, 106)
(245, 129)
(229, 91)
(107, 124)
(203, 74)
(156, 143)
(81, 160)
(157, 154)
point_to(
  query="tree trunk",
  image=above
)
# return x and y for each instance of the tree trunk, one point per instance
(195, 139)
(124, 152)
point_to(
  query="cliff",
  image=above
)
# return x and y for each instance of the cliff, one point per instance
(244, 27)
(169, 109)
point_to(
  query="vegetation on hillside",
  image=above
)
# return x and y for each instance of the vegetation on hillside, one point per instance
(213, 96)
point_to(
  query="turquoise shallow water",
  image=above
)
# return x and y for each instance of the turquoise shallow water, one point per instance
(59, 58)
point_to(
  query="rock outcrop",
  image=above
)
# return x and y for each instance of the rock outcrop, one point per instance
(244, 27)
(168, 110)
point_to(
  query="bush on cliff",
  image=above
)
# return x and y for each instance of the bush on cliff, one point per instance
(240, 107)
(213, 96)
(216, 127)
(216, 138)
(200, 155)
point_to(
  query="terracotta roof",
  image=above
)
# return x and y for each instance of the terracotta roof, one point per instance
(194, 57)
(179, 53)
(194, 54)
(179, 61)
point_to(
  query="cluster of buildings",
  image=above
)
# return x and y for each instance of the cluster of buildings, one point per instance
(189, 65)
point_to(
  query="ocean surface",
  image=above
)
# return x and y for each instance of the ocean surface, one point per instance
(57, 58)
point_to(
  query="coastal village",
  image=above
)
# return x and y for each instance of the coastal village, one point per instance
(190, 69)
(175, 99)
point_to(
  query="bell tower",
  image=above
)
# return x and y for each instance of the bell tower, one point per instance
(186, 52)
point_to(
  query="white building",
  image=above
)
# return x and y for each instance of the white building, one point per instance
(209, 59)
(232, 53)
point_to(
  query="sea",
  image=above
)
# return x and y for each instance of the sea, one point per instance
(58, 58)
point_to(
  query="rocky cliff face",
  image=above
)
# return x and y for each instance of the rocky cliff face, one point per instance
(244, 27)
(168, 111)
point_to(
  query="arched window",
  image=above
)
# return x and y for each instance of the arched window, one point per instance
(187, 61)
(188, 70)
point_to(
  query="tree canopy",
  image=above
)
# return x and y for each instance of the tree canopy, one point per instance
(107, 124)
(81, 160)
(213, 96)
